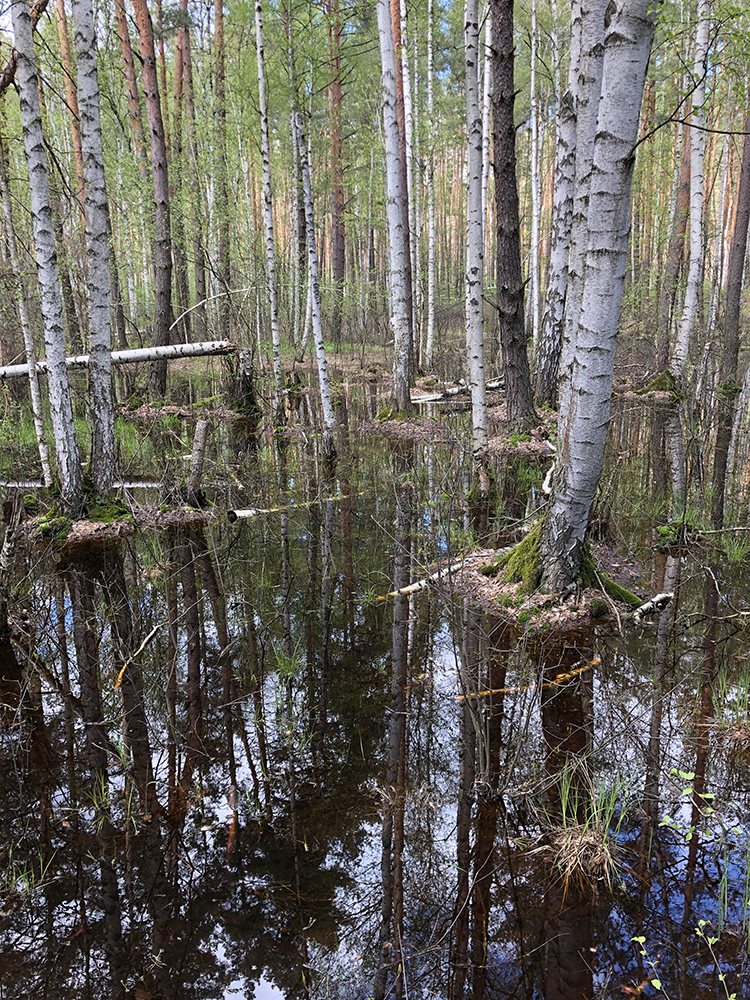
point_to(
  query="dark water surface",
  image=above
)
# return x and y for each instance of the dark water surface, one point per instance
(232, 769)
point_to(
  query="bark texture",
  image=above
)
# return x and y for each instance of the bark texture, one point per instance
(585, 417)
(97, 250)
(397, 230)
(518, 394)
(61, 408)
(475, 240)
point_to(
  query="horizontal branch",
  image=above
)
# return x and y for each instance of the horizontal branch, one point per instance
(170, 352)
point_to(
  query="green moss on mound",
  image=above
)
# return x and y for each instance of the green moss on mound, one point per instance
(596, 579)
(522, 566)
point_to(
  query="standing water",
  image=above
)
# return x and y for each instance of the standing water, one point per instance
(236, 764)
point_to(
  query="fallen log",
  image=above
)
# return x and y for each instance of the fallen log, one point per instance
(170, 352)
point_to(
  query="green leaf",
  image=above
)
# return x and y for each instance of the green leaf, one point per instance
(656, 983)
(639, 940)
(687, 775)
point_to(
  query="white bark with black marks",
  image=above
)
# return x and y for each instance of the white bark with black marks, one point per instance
(585, 418)
(329, 418)
(97, 250)
(681, 347)
(61, 408)
(397, 235)
(268, 211)
(475, 238)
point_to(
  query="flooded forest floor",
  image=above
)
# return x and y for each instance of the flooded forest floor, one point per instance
(249, 758)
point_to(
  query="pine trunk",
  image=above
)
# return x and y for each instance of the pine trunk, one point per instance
(162, 223)
(518, 394)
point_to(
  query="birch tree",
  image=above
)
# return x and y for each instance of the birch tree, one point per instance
(268, 212)
(585, 418)
(61, 408)
(397, 230)
(697, 145)
(430, 337)
(37, 409)
(475, 244)
(97, 250)
(551, 328)
(329, 418)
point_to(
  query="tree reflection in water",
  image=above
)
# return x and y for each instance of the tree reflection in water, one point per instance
(228, 760)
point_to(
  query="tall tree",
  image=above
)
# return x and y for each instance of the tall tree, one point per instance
(547, 356)
(329, 417)
(697, 140)
(336, 139)
(585, 408)
(475, 243)
(223, 221)
(61, 407)
(97, 250)
(397, 229)
(265, 145)
(160, 174)
(727, 388)
(518, 395)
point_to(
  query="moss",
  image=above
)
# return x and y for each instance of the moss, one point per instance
(107, 509)
(54, 525)
(491, 570)
(31, 504)
(728, 390)
(662, 383)
(523, 617)
(669, 534)
(590, 577)
(521, 564)
(484, 491)
(598, 608)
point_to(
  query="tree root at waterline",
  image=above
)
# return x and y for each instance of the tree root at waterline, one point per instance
(523, 566)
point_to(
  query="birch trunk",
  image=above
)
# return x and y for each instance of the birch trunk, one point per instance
(475, 241)
(97, 251)
(23, 314)
(329, 418)
(681, 348)
(61, 408)
(551, 328)
(585, 418)
(223, 222)
(430, 338)
(535, 191)
(587, 92)
(397, 234)
(268, 214)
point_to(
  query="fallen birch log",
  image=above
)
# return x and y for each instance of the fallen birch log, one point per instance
(655, 604)
(170, 352)
(426, 582)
